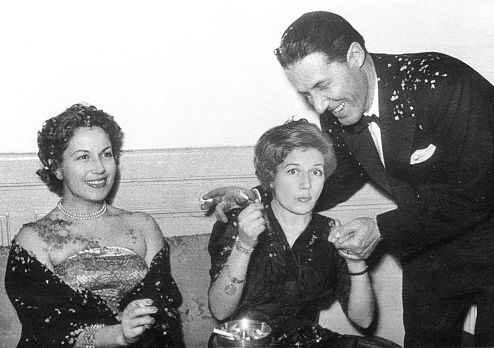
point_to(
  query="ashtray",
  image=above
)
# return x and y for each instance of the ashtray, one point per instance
(243, 333)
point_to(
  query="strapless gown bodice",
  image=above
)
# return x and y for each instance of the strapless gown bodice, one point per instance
(110, 272)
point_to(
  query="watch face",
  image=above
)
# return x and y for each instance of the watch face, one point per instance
(230, 289)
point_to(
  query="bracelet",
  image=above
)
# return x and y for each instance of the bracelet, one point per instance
(230, 289)
(89, 335)
(359, 273)
(241, 248)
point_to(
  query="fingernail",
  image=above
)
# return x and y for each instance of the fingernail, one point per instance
(153, 309)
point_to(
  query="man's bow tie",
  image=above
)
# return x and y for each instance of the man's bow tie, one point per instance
(363, 123)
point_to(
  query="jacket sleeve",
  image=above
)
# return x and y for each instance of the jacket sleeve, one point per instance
(454, 189)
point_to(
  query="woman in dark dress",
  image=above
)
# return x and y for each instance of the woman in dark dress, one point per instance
(89, 274)
(274, 263)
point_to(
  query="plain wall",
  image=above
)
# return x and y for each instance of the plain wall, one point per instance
(179, 74)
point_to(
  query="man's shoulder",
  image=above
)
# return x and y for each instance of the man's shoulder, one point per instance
(405, 58)
(416, 72)
(417, 66)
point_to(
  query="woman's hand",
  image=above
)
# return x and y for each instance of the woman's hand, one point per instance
(251, 224)
(136, 318)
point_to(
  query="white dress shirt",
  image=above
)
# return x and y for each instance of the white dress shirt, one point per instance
(374, 129)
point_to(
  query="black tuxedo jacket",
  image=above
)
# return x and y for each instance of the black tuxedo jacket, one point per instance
(444, 224)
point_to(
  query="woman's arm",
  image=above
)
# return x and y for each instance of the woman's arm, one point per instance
(29, 238)
(361, 303)
(152, 234)
(226, 290)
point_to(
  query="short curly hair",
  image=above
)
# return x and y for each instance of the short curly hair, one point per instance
(56, 133)
(276, 144)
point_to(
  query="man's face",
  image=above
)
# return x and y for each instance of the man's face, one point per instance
(342, 88)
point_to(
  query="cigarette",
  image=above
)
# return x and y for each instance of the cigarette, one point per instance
(223, 333)
(244, 196)
(202, 200)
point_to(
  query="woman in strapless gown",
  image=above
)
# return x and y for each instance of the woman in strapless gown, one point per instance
(89, 274)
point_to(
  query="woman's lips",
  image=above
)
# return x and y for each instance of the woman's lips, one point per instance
(96, 183)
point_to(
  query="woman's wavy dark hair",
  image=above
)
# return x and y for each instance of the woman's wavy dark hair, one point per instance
(56, 133)
(274, 146)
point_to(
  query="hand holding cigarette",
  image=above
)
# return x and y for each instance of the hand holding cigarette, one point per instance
(223, 199)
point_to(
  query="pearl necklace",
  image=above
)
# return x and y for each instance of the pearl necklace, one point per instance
(82, 216)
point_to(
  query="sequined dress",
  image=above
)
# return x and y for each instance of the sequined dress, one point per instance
(91, 287)
(108, 272)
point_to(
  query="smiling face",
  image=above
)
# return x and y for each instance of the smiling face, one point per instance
(88, 169)
(298, 182)
(339, 87)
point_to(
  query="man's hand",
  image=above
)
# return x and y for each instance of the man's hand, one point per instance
(358, 237)
(223, 199)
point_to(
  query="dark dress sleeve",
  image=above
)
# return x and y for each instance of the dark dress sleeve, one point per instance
(336, 267)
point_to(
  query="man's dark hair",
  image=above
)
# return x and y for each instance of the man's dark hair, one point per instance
(317, 32)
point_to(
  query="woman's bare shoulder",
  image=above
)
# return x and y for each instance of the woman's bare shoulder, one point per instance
(44, 231)
(39, 237)
(134, 218)
(144, 223)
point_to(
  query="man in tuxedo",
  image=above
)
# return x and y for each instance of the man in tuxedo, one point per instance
(420, 127)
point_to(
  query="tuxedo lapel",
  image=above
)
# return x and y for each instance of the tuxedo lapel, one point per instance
(397, 141)
(398, 122)
(365, 151)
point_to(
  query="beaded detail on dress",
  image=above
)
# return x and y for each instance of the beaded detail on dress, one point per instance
(110, 272)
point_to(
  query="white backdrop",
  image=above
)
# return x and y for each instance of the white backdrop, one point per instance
(195, 73)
